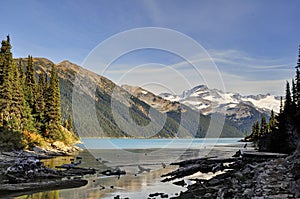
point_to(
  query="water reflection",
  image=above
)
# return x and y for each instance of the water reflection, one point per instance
(42, 195)
(99, 186)
(133, 184)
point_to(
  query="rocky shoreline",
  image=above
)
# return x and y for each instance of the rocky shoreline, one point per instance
(252, 177)
(23, 172)
(249, 175)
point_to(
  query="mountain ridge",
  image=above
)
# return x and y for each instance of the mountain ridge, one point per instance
(242, 110)
(102, 102)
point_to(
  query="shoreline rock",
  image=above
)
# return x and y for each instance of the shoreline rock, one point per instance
(22, 172)
(251, 177)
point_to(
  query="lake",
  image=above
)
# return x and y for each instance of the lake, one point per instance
(129, 155)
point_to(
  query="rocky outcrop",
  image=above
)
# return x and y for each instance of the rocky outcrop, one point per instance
(295, 170)
(23, 172)
(253, 178)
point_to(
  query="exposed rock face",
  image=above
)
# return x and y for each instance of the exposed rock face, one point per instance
(153, 100)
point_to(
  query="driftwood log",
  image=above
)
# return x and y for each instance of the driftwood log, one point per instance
(10, 190)
(203, 165)
(116, 172)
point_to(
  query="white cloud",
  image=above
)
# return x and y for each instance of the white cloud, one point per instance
(239, 72)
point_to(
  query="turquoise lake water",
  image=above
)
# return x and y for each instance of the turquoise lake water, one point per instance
(100, 143)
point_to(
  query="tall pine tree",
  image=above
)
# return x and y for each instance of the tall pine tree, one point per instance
(30, 83)
(5, 82)
(298, 82)
(288, 100)
(272, 122)
(294, 95)
(52, 108)
(263, 126)
(11, 92)
(40, 103)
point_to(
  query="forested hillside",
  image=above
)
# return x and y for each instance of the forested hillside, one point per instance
(282, 132)
(30, 112)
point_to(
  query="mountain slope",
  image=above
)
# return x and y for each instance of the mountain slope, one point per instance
(105, 122)
(241, 110)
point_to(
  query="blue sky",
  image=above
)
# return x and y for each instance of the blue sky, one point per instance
(254, 43)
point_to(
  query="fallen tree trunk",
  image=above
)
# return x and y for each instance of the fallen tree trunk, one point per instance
(203, 165)
(257, 154)
(78, 171)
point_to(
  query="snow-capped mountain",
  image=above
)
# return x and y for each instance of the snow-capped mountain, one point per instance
(210, 100)
(242, 110)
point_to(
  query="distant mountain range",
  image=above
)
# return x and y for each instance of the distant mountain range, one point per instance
(181, 121)
(241, 110)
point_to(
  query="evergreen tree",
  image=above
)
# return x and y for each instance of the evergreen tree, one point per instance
(27, 121)
(294, 95)
(298, 81)
(52, 108)
(285, 127)
(272, 122)
(281, 105)
(22, 76)
(257, 129)
(263, 126)
(298, 62)
(26, 106)
(40, 103)
(6, 78)
(30, 83)
(288, 99)
(254, 132)
(11, 92)
(21, 72)
(297, 85)
(17, 103)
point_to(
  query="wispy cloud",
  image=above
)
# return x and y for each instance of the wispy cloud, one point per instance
(238, 72)
(252, 68)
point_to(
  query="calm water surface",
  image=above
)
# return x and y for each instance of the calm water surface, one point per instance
(129, 154)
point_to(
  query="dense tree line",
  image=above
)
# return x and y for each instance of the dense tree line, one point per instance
(28, 104)
(282, 133)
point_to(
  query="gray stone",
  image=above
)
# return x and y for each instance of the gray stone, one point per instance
(213, 182)
(208, 195)
(280, 196)
(248, 193)
(247, 170)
